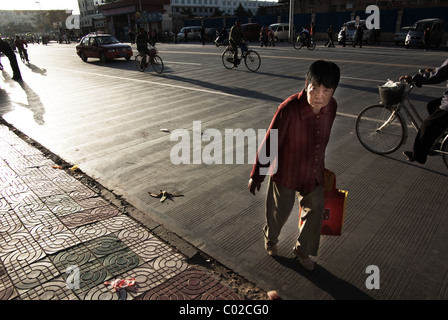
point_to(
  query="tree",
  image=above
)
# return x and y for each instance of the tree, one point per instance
(240, 11)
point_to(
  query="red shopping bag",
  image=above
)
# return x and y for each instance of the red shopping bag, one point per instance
(334, 207)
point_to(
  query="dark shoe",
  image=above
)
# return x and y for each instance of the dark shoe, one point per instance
(409, 155)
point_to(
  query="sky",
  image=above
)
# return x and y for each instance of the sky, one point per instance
(39, 4)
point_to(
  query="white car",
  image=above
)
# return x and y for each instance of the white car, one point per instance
(351, 28)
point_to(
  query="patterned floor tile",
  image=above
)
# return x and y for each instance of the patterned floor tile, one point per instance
(90, 231)
(150, 249)
(20, 251)
(80, 192)
(25, 202)
(44, 226)
(75, 256)
(103, 293)
(120, 222)
(33, 275)
(91, 274)
(105, 245)
(55, 242)
(55, 289)
(146, 278)
(134, 234)
(120, 261)
(169, 264)
(9, 222)
(7, 290)
(80, 218)
(188, 285)
(35, 217)
(93, 202)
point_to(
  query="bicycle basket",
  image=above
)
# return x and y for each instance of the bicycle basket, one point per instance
(391, 92)
(152, 52)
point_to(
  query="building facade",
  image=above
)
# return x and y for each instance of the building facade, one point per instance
(38, 22)
(207, 8)
(91, 19)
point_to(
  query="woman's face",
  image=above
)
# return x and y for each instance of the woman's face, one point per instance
(318, 95)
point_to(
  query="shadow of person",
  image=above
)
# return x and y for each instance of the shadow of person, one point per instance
(36, 69)
(339, 289)
(34, 104)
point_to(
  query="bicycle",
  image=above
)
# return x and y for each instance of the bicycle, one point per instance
(382, 129)
(251, 58)
(24, 56)
(152, 58)
(302, 41)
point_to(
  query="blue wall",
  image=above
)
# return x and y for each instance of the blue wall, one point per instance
(388, 19)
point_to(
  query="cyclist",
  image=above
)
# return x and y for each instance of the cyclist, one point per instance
(437, 121)
(235, 40)
(142, 41)
(20, 45)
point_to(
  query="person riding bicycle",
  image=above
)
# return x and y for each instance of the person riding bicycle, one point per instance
(20, 45)
(236, 39)
(305, 36)
(142, 41)
(437, 121)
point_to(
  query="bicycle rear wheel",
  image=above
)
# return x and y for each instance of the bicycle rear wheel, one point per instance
(138, 63)
(312, 45)
(298, 45)
(380, 129)
(227, 59)
(157, 64)
(252, 60)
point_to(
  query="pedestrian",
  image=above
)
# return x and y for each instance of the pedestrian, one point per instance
(6, 49)
(357, 37)
(330, 37)
(344, 34)
(131, 36)
(302, 126)
(437, 121)
(203, 35)
(271, 38)
(427, 38)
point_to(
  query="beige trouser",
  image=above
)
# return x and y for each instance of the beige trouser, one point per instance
(279, 204)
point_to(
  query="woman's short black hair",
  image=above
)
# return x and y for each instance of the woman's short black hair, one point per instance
(323, 72)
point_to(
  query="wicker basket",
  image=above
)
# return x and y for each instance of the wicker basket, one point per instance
(152, 52)
(392, 95)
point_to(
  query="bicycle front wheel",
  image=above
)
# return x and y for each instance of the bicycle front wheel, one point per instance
(157, 64)
(380, 129)
(227, 59)
(252, 60)
(444, 149)
(138, 63)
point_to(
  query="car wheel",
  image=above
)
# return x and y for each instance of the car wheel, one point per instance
(83, 57)
(103, 58)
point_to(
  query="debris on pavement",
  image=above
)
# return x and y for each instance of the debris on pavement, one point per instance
(163, 195)
(74, 168)
(121, 283)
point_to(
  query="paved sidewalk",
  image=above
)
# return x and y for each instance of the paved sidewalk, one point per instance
(61, 239)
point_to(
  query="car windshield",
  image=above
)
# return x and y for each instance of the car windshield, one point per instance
(421, 26)
(106, 40)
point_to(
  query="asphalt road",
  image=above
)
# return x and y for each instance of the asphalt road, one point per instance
(121, 127)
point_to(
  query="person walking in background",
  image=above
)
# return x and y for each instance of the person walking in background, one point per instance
(330, 37)
(344, 34)
(302, 125)
(357, 37)
(427, 38)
